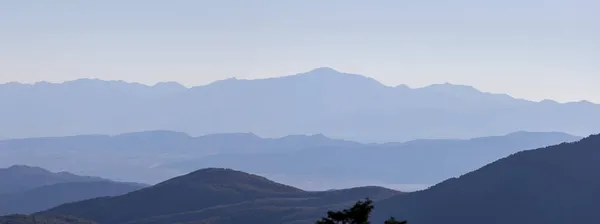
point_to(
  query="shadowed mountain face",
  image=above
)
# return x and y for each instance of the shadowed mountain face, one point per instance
(21, 178)
(155, 156)
(558, 184)
(324, 101)
(211, 194)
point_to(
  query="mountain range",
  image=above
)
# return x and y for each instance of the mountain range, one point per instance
(154, 156)
(413, 162)
(31, 189)
(339, 105)
(557, 184)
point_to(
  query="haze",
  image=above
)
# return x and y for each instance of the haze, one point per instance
(299, 112)
(534, 49)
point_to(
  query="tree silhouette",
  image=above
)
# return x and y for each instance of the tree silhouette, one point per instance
(358, 214)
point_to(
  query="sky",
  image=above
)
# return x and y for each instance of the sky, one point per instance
(532, 49)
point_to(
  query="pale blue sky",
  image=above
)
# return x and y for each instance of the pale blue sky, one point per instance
(532, 49)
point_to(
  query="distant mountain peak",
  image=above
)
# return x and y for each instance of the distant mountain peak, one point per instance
(324, 70)
(334, 77)
(321, 72)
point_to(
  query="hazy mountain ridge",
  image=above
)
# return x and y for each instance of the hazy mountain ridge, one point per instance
(154, 156)
(175, 141)
(137, 156)
(435, 160)
(318, 101)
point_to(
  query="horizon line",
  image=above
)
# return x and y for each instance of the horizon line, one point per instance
(329, 69)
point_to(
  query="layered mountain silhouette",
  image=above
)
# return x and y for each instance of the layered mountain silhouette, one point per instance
(323, 100)
(558, 184)
(33, 189)
(155, 156)
(208, 194)
(168, 141)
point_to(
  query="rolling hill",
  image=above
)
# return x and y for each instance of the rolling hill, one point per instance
(339, 105)
(208, 194)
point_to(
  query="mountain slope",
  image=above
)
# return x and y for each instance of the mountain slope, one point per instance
(46, 197)
(197, 190)
(212, 193)
(558, 184)
(323, 100)
(21, 178)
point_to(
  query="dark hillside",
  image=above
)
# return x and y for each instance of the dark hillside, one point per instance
(557, 184)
